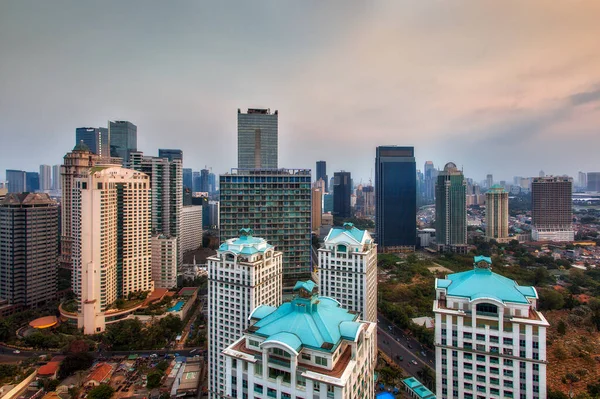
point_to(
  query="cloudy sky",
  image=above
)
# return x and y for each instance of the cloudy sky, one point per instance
(502, 87)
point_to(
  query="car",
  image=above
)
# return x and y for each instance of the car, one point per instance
(17, 351)
(390, 328)
(423, 353)
(414, 362)
(401, 358)
(193, 351)
(410, 346)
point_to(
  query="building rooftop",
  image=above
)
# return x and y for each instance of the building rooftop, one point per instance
(418, 388)
(27, 198)
(481, 282)
(353, 234)
(246, 244)
(49, 368)
(100, 373)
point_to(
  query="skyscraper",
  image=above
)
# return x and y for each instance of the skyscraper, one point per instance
(187, 178)
(164, 261)
(17, 180)
(342, 190)
(191, 228)
(204, 181)
(429, 177)
(276, 204)
(32, 181)
(317, 209)
(496, 214)
(489, 179)
(551, 209)
(45, 177)
(322, 174)
(245, 273)
(490, 340)
(56, 181)
(212, 183)
(123, 139)
(395, 198)
(593, 181)
(451, 209)
(29, 240)
(170, 154)
(96, 138)
(196, 182)
(257, 139)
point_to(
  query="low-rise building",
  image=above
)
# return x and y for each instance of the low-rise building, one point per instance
(99, 375)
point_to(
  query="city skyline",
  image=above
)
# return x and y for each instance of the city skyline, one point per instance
(176, 74)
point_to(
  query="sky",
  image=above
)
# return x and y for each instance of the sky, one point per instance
(502, 87)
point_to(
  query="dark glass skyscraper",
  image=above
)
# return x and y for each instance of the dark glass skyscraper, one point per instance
(187, 178)
(96, 138)
(396, 198)
(32, 181)
(17, 180)
(204, 186)
(342, 191)
(123, 139)
(170, 154)
(322, 174)
(257, 139)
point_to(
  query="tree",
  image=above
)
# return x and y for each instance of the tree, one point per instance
(550, 299)
(74, 362)
(154, 378)
(561, 327)
(102, 391)
(556, 395)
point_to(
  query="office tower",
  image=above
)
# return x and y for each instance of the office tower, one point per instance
(111, 241)
(170, 154)
(496, 214)
(29, 239)
(45, 177)
(17, 180)
(369, 201)
(322, 174)
(213, 214)
(196, 182)
(451, 209)
(490, 341)
(582, 180)
(429, 176)
(328, 203)
(164, 261)
(489, 179)
(542, 173)
(342, 190)
(316, 208)
(551, 209)
(123, 139)
(245, 273)
(348, 270)
(32, 181)
(187, 178)
(593, 181)
(396, 198)
(279, 356)
(204, 181)
(212, 183)
(257, 139)
(96, 138)
(191, 228)
(276, 204)
(56, 181)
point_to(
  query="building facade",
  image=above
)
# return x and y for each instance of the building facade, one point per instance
(496, 214)
(191, 228)
(490, 339)
(451, 209)
(17, 180)
(317, 208)
(123, 139)
(171, 154)
(276, 204)
(592, 181)
(348, 270)
(164, 261)
(257, 139)
(279, 356)
(56, 180)
(322, 174)
(32, 182)
(396, 198)
(28, 249)
(552, 209)
(342, 191)
(45, 177)
(96, 138)
(245, 273)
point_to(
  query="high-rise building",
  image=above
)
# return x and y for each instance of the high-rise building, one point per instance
(29, 242)
(257, 139)
(96, 138)
(489, 181)
(593, 181)
(45, 177)
(429, 177)
(187, 178)
(245, 273)
(342, 190)
(164, 261)
(396, 198)
(317, 209)
(496, 214)
(279, 356)
(196, 182)
(56, 181)
(551, 209)
(451, 209)
(212, 183)
(348, 270)
(123, 139)
(322, 174)
(170, 154)
(32, 181)
(191, 228)
(17, 180)
(582, 180)
(490, 341)
(204, 181)
(111, 241)
(276, 204)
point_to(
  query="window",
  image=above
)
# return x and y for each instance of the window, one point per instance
(322, 361)
(487, 308)
(306, 356)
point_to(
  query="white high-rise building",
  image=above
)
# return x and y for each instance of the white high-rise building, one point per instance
(348, 270)
(45, 177)
(164, 261)
(56, 185)
(191, 228)
(245, 273)
(490, 339)
(496, 214)
(111, 210)
(310, 347)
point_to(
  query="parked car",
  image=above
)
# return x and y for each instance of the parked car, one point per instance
(414, 362)
(16, 351)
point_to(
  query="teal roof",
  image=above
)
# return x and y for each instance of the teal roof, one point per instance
(289, 339)
(307, 285)
(81, 146)
(317, 322)
(349, 230)
(419, 389)
(262, 311)
(245, 244)
(480, 258)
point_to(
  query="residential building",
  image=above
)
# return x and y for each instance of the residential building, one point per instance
(276, 204)
(17, 180)
(257, 139)
(396, 198)
(551, 209)
(310, 347)
(191, 228)
(582, 180)
(348, 270)
(322, 174)
(451, 210)
(496, 214)
(28, 255)
(56, 181)
(490, 339)
(45, 177)
(123, 139)
(245, 273)
(171, 154)
(593, 181)
(32, 182)
(164, 261)
(342, 190)
(96, 138)
(489, 181)
(317, 209)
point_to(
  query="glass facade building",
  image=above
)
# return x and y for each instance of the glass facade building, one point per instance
(396, 198)
(257, 139)
(96, 138)
(322, 174)
(123, 139)
(17, 180)
(342, 191)
(451, 209)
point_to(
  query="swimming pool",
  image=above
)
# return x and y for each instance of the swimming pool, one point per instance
(177, 306)
(385, 395)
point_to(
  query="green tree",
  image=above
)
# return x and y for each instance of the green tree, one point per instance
(556, 395)
(102, 391)
(550, 299)
(162, 366)
(594, 305)
(561, 327)
(74, 362)
(154, 378)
